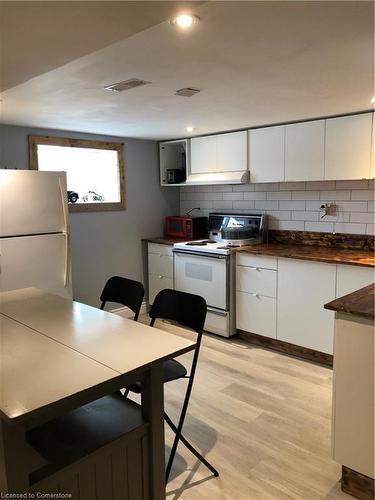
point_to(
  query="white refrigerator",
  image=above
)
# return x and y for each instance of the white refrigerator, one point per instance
(34, 231)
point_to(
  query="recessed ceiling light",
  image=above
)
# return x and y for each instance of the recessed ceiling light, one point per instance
(185, 20)
(373, 100)
(189, 128)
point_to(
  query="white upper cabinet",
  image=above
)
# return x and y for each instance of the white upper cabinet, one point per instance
(304, 151)
(232, 152)
(219, 153)
(267, 154)
(348, 147)
(203, 154)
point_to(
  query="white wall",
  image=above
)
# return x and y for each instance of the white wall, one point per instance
(292, 205)
(106, 243)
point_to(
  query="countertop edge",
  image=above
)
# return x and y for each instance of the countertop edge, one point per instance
(359, 303)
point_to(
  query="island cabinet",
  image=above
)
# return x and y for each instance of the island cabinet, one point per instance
(160, 269)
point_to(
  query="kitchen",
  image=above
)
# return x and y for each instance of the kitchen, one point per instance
(285, 191)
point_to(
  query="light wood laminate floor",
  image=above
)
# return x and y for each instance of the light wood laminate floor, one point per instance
(263, 419)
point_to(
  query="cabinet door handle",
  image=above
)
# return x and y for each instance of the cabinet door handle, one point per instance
(160, 277)
(255, 295)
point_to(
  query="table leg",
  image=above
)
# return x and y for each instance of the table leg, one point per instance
(14, 473)
(153, 412)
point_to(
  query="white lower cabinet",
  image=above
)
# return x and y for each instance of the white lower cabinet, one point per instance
(303, 289)
(256, 314)
(352, 278)
(160, 269)
(256, 292)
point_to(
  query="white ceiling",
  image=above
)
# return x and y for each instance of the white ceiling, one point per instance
(255, 63)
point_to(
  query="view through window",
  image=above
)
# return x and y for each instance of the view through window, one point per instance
(94, 170)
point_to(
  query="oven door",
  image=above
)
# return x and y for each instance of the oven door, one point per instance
(203, 274)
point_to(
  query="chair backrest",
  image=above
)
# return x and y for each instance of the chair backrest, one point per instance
(184, 308)
(123, 291)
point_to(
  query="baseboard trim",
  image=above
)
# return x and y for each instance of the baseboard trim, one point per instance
(286, 348)
(356, 484)
(125, 312)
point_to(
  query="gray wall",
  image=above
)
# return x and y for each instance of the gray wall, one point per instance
(106, 243)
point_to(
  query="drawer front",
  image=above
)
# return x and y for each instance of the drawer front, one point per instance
(263, 261)
(160, 249)
(160, 264)
(156, 284)
(217, 323)
(256, 314)
(256, 280)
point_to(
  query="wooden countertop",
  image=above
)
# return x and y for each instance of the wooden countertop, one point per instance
(359, 303)
(313, 252)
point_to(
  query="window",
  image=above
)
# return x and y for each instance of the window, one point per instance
(94, 170)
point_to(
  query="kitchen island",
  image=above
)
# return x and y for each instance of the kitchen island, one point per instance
(353, 391)
(62, 426)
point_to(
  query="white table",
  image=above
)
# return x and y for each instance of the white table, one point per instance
(57, 355)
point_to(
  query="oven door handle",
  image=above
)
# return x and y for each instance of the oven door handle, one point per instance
(193, 253)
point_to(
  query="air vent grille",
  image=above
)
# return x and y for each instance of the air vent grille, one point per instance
(132, 83)
(187, 92)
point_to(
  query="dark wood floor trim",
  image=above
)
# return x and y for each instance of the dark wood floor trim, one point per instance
(356, 484)
(286, 348)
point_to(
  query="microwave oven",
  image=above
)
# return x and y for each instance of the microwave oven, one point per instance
(185, 227)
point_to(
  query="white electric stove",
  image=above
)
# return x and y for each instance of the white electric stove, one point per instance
(207, 267)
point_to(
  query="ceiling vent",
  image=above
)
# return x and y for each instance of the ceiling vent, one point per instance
(132, 83)
(187, 92)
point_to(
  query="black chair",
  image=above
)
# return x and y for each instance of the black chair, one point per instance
(188, 310)
(123, 291)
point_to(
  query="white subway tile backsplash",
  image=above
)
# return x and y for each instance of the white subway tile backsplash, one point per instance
(323, 227)
(255, 196)
(279, 214)
(361, 184)
(320, 185)
(305, 195)
(222, 204)
(292, 205)
(224, 188)
(335, 195)
(363, 194)
(244, 187)
(352, 206)
(347, 227)
(292, 186)
(306, 216)
(268, 186)
(267, 205)
(243, 205)
(232, 196)
(279, 195)
(364, 217)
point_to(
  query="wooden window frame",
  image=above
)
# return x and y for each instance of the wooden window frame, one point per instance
(36, 140)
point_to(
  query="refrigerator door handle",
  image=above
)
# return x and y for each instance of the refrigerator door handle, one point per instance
(65, 231)
(64, 204)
